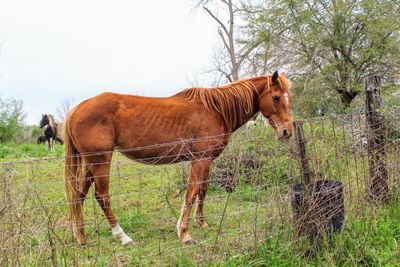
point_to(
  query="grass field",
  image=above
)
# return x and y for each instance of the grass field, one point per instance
(255, 229)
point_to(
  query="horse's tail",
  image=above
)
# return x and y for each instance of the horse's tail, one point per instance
(73, 175)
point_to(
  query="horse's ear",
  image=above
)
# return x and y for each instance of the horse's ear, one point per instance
(275, 77)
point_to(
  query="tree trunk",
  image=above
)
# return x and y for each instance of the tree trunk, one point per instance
(346, 97)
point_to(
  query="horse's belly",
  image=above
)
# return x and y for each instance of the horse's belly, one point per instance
(158, 155)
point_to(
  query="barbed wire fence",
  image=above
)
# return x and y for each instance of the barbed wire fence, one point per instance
(301, 193)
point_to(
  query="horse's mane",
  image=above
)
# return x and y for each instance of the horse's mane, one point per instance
(50, 120)
(234, 102)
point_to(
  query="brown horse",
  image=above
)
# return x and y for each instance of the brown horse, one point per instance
(193, 125)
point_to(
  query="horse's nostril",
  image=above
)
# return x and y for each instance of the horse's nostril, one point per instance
(286, 133)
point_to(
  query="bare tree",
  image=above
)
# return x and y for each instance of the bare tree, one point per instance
(63, 109)
(229, 60)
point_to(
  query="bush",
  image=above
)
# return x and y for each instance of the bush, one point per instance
(254, 157)
(12, 119)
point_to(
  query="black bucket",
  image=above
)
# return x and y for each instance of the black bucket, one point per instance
(323, 212)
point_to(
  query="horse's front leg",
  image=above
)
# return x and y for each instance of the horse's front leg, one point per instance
(198, 173)
(47, 144)
(51, 144)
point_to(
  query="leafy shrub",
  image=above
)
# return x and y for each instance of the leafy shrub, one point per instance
(12, 119)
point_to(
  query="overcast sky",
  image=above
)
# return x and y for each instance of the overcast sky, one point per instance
(52, 50)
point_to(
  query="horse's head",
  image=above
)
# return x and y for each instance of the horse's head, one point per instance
(275, 101)
(45, 120)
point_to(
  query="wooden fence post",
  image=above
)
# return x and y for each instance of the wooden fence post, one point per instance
(303, 201)
(301, 146)
(376, 134)
(318, 205)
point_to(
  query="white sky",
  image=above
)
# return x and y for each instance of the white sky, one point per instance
(52, 50)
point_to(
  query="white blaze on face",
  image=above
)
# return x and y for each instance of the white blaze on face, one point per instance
(286, 95)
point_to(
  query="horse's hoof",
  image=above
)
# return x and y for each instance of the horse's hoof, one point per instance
(188, 240)
(120, 235)
(203, 225)
(81, 241)
(128, 243)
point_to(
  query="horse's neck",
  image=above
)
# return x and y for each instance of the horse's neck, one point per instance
(50, 126)
(259, 84)
(250, 116)
(47, 127)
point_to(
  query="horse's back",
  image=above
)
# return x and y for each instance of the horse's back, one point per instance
(129, 122)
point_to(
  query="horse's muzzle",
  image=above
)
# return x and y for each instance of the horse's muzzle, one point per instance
(285, 135)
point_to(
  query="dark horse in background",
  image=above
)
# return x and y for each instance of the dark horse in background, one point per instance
(42, 139)
(194, 125)
(50, 131)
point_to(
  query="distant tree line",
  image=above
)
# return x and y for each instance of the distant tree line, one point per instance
(13, 127)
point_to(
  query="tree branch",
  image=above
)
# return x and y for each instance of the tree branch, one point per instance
(217, 20)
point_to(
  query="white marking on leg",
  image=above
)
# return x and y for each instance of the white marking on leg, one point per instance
(119, 234)
(196, 207)
(179, 223)
(74, 229)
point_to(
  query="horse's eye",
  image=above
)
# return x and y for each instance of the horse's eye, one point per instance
(275, 98)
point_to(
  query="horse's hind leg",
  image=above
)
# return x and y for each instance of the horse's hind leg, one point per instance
(81, 191)
(101, 172)
(53, 142)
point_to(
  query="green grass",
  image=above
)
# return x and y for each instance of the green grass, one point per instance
(370, 241)
(12, 151)
(257, 228)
